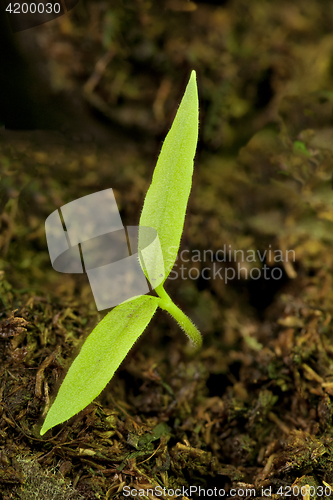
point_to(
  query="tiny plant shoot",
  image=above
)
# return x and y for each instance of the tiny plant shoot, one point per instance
(164, 211)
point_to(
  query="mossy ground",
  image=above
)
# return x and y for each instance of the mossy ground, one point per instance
(253, 408)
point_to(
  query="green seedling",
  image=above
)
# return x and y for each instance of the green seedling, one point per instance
(164, 211)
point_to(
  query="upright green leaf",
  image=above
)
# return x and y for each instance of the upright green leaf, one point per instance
(99, 358)
(166, 200)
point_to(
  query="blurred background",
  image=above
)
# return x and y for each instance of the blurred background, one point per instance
(107, 78)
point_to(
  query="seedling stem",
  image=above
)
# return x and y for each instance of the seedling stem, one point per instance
(184, 322)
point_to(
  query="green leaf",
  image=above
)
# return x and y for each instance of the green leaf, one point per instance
(99, 358)
(166, 200)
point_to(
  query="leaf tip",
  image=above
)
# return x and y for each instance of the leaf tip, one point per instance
(44, 429)
(47, 425)
(193, 79)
